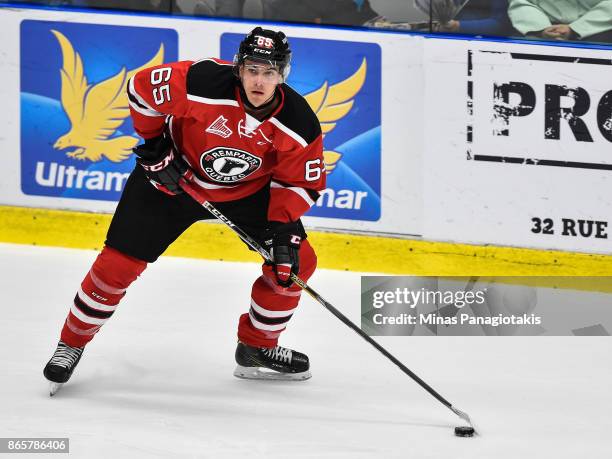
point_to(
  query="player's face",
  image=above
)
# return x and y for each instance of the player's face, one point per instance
(259, 81)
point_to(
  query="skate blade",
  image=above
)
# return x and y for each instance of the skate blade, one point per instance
(54, 388)
(270, 375)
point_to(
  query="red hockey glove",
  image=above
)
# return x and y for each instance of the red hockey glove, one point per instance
(285, 240)
(163, 166)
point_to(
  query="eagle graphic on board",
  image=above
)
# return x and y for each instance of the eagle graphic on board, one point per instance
(95, 111)
(332, 103)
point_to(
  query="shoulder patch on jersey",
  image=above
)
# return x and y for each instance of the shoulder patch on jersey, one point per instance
(298, 116)
(211, 79)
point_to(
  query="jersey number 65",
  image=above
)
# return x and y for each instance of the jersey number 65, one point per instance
(161, 93)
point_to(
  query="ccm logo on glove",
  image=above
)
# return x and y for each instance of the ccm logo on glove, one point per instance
(163, 168)
(165, 162)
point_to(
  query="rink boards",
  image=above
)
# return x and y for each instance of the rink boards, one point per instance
(342, 251)
(445, 139)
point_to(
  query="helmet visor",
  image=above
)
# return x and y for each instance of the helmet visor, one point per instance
(269, 74)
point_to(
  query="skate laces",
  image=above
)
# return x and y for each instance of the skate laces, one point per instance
(65, 356)
(279, 353)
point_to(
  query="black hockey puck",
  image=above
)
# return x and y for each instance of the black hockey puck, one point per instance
(464, 431)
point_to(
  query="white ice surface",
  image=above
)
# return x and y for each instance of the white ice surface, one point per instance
(157, 380)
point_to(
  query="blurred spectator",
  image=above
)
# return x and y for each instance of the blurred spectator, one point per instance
(205, 8)
(342, 12)
(229, 8)
(439, 11)
(140, 5)
(480, 17)
(568, 20)
(55, 2)
(347, 12)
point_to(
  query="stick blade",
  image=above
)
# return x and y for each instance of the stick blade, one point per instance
(463, 415)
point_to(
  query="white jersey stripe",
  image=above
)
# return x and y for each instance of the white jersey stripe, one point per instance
(266, 327)
(143, 111)
(300, 191)
(85, 318)
(213, 61)
(299, 139)
(94, 304)
(169, 123)
(204, 100)
(140, 100)
(272, 314)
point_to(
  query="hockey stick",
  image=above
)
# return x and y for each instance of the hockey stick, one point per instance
(186, 186)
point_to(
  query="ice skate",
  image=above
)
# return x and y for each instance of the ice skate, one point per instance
(63, 362)
(276, 363)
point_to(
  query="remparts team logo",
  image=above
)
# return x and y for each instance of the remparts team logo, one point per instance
(76, 133)
(227, 165)
(341, 82)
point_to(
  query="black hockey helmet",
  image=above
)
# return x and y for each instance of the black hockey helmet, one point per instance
(267, 46)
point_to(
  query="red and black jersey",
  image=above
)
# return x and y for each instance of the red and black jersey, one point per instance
(232, 154)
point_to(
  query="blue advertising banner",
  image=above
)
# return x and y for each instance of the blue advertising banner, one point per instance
(76, 132)
(341, 81)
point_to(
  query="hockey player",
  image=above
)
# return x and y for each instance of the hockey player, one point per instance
(250, 145)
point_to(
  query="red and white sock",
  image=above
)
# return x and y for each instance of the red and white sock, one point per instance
(272, 305)
(101, 291)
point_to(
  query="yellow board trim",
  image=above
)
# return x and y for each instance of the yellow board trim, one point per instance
(348, 252)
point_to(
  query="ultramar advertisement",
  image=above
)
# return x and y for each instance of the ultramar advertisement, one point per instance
(76, 132)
